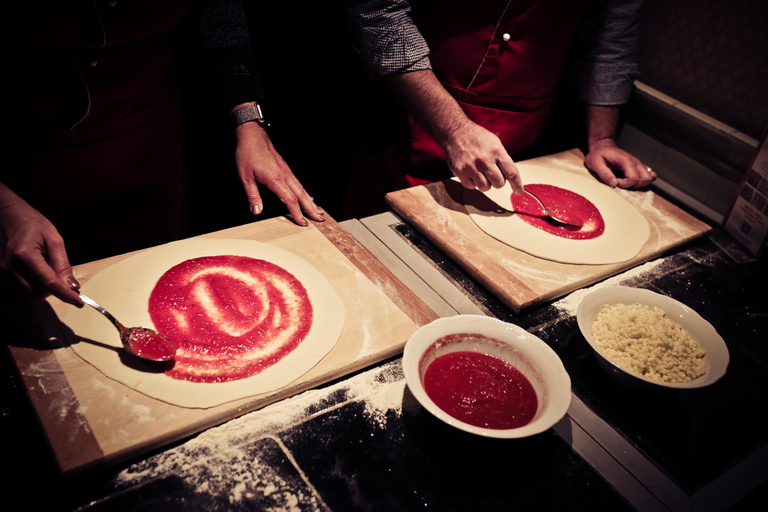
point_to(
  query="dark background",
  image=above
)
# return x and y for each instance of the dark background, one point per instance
(710, 55)
(314, 87)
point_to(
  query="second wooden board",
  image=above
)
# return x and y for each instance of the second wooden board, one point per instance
(520, 279)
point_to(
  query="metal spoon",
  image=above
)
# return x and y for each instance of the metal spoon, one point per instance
(572, 221)
(139, 341)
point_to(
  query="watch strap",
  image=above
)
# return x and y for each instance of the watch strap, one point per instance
(248, 114)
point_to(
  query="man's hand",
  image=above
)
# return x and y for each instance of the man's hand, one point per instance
(475, 155)
(257, 162)
(32, 250)
(617, 168)
(614, 166)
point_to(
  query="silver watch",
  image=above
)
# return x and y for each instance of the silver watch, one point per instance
(247, 114)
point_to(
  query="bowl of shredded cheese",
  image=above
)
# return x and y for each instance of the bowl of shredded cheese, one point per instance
(652, 338)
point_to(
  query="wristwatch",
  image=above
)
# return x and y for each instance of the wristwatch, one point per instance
(247, 114)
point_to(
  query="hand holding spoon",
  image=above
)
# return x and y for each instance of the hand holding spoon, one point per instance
(139, 341)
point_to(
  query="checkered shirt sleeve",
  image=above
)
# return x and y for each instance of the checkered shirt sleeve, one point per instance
(386, 38)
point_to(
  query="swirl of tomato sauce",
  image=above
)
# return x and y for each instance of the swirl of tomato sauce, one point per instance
(230, 317)
(559, 200)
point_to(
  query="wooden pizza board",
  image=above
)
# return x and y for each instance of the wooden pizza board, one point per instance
(517, 278)
(91, 420)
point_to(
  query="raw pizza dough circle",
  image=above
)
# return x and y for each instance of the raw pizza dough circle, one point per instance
(626, 229)
(123, 289)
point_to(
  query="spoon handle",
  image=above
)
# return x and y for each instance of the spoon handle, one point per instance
(536, 198)
(100, 309)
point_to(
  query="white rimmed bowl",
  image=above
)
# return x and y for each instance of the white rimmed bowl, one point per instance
(531, 356)
(717, 356)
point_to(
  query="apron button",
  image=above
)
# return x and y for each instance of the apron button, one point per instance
(506, 36)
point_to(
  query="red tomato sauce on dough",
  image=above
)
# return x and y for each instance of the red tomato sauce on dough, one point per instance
(559, 200)
(481, 390)
(230, 317)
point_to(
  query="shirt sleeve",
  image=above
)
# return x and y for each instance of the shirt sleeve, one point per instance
(385, 37)
(226, 50)
(607, 51)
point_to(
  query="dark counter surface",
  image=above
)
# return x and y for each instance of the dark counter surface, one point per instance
(364, 443)
(692, 436)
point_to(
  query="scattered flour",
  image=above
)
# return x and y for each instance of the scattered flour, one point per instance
(62, 402)
(570, 303)
(221, 461)
(48, 372)
(524, 268)
(361, 304)
(659, 219)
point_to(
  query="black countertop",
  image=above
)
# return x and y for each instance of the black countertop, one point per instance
(364, 443)
(692, 436)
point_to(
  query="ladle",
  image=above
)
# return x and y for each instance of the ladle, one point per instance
(139, 341)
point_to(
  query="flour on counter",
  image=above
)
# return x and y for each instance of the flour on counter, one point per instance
(571, 302)
(231, 460)
(524, 268)
(660, 218)
(62, 402)
(375, 296)
(48, 372)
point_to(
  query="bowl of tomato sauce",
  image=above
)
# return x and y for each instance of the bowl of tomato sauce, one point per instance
(487, 377)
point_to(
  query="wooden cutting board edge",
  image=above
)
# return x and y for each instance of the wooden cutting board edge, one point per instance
(68, 438)
(70, 449)
(510, 289)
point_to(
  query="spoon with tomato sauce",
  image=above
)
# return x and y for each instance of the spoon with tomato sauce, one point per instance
(565, 219)
(139, 341)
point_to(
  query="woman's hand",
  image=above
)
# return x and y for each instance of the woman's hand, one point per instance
(32, 250)
(257, 162)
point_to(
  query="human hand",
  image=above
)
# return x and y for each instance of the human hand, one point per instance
(478, 158)
(32, 250)
(475, 156)
(615, 167)
(258, 161)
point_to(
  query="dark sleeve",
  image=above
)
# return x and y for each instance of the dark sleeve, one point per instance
(226, 50)
(607, 50)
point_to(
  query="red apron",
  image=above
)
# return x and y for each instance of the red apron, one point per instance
(102, 155)
(507, 87)
(501, 61)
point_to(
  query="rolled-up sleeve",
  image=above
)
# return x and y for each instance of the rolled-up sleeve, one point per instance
(607, 51)
(386, 38)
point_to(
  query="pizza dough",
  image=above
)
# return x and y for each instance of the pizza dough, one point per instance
(626, 229)
(124, 289)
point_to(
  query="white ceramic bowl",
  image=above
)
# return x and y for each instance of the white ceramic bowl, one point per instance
(531, 356)
(716, 359)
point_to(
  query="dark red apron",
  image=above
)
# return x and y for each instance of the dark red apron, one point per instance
(506, 86)
(102, 124)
